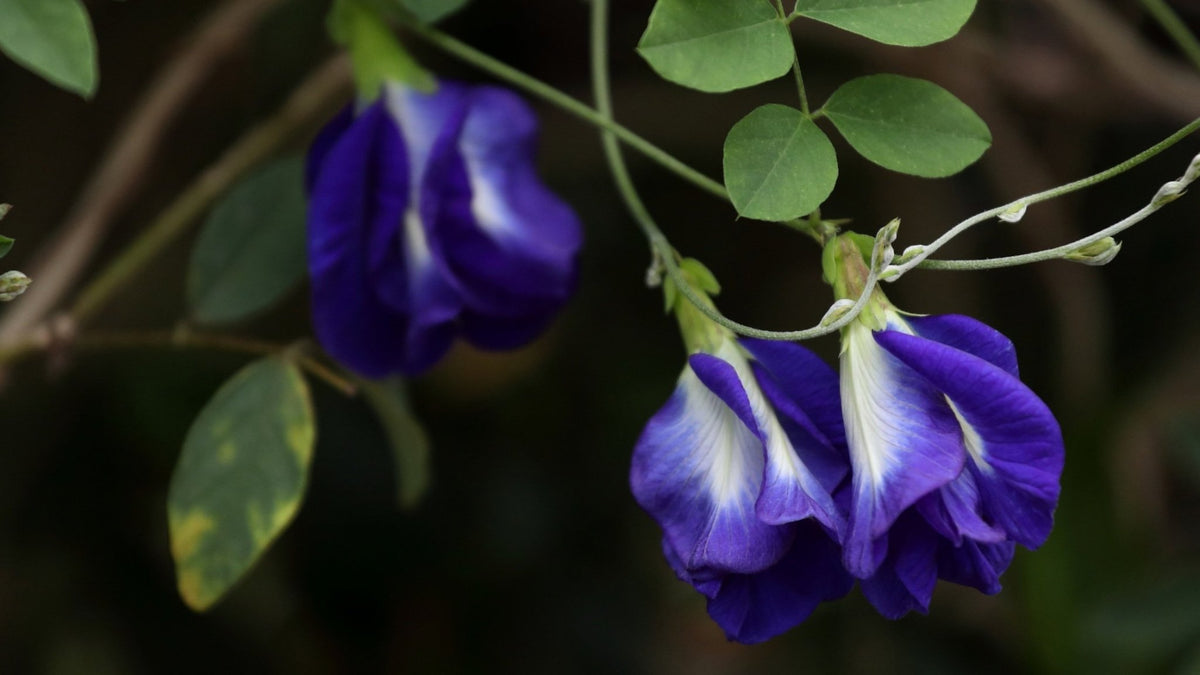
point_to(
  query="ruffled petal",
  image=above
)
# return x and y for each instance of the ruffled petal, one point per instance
(806, 380)
(973, 564)
(905, 580)
(706, 581)
(356, 207)
(510, 244)
(968, 335)
(323, 142)
(696, 470)
(752, 608)
(904, 442)
(802, 469)
(1011, 436)
(790, 491)
(954, 512)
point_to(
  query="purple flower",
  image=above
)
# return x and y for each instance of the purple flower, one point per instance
(738, 468)
(955, 461)
(427, 221)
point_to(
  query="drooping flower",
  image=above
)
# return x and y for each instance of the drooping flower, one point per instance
(954, 460)
(427, 221)
(738, 468)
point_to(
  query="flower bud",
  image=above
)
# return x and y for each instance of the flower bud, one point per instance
(836, 311)
(1193, 170)
(1014, 213)
(1169, 192)
(1096, 253)
(13, 284)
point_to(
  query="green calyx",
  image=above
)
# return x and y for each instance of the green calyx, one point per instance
(845, 267)
(377, 55)
(700, 333)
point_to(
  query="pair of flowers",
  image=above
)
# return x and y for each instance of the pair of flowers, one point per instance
(427, 222)
(777, 485)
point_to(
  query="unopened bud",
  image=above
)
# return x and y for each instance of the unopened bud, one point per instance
(654, 274)
(4, 209)
(1169, 192)
(1193, 171)
(1096, 253)
(883, 244)
(1015, 212)
(836, 311)
(908, 254)
(13, 284)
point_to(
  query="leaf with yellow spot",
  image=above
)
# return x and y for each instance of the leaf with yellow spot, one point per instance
(240, 478)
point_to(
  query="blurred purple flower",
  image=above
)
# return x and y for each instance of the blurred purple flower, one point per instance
(738, 468)
(955, 461)
(427, 221)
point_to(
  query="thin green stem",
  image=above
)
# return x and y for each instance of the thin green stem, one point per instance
(1175, 28)
(555, 97)
(661, 248)
(577, 108)
(1166, 194)
(920, 260)
(783, 16)
(309, 103)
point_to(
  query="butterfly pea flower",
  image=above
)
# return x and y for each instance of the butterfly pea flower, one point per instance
(427, 222)
(954, 460)
(739, 468)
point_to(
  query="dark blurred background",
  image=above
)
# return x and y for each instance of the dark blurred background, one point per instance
(529, 555)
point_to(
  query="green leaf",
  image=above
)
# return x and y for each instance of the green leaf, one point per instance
(6, 244)
(908, 125)
(717, 45)
(409, 442)
(251, 251)
(778, 164)
(907, 23)
(240, 478)
(54, 39)
(432, 11)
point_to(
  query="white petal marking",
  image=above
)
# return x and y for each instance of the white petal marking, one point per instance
(726, 452)
(972, 440)
(874, 414)
(779, 447)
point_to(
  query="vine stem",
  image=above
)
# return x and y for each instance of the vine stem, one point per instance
(1015, 206)
(800, 90)
(593, 116)
(661, 247)
(1168, 193)
(577, 108)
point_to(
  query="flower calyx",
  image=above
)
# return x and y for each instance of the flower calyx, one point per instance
(700, 333)
(845, 266)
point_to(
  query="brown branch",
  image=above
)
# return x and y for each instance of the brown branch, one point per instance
(59, 263)
(311, 102)
(43, 341)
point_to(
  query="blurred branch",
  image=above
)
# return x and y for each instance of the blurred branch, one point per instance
(1157, 79)
(1176, 28)
(310, 102)
(59, 263)
(45, 341)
